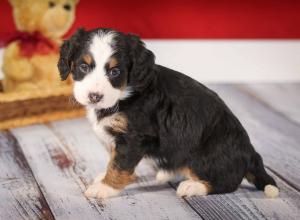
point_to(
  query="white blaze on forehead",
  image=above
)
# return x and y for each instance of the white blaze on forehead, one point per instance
(101, 48)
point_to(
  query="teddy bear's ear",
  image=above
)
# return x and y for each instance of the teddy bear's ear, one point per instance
(75, 1)
(15, 3)
(67, 51)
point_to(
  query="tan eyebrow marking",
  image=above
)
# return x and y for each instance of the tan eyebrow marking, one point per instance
(112, 62)
(87, 58)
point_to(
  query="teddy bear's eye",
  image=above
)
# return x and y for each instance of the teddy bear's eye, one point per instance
(51, 4)
(67, 7)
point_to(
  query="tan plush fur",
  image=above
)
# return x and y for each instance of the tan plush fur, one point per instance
(38, 71)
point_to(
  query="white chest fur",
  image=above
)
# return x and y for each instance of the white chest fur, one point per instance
(99, 128)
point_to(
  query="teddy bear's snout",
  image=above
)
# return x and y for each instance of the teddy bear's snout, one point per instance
(59, 18)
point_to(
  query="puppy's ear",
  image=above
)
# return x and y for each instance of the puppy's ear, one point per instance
(142, 60)
(67, 51)
(64, 63)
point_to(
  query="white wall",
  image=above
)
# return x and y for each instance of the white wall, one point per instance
(231, 60)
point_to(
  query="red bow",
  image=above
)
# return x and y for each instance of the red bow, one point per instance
(31, 43)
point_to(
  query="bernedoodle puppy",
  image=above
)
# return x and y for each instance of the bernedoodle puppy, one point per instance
(140, 109)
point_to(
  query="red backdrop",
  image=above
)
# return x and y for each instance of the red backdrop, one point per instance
(185, 18)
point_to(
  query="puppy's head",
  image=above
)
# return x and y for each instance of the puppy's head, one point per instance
(106, 65)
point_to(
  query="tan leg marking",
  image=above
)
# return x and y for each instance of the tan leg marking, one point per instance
(188, 173)
(111, 183)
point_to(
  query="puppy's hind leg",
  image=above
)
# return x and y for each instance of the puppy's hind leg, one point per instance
(164, 176)
(193, 186)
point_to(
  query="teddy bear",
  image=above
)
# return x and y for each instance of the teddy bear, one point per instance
(30, 58)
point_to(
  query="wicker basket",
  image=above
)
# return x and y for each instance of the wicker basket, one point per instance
(19, 109)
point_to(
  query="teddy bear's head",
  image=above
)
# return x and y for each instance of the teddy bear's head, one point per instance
(52, 18)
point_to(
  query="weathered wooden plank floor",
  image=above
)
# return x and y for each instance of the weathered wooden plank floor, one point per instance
(45, 169)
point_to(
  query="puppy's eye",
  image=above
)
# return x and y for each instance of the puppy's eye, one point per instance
(114, 72)
(51, 4)
(84, 68)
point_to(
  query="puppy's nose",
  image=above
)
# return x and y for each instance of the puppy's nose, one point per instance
(95, 97)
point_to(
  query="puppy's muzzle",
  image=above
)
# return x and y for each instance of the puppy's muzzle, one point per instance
(95, 97)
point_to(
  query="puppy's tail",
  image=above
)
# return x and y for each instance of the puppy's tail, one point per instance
(258, 176)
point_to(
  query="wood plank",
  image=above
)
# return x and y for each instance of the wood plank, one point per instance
(284, 98)
(20, 196)
(54, 171)
(66, 156)
(248, 203)
(274, 137)
(159, 201)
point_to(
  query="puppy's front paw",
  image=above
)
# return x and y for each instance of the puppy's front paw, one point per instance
(100, 190)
